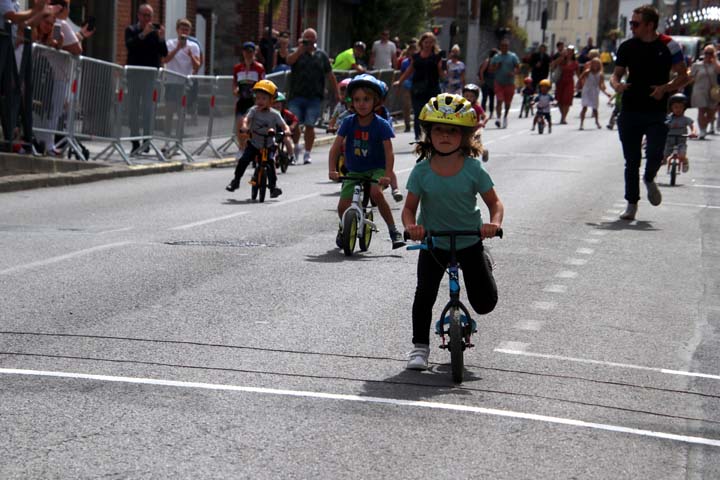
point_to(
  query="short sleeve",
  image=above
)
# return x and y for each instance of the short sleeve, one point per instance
(279, 120)
(413, 183)
(69, 37)
(386, 131)
(483, 182)
(251, 114)
(345, 127)
(621, 58)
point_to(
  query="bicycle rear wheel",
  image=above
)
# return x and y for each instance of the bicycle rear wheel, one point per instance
(673, 171)
(457, 345)
(283, 161)
(367, 233)
(350, 228)
(262, 181)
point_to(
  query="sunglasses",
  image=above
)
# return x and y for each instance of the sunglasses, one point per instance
(634, 24)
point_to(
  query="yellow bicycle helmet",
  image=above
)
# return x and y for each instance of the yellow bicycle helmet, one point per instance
(449, 109)
(545, 83)
(266, 86)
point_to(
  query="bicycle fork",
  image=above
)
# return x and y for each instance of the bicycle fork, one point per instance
(455, 307)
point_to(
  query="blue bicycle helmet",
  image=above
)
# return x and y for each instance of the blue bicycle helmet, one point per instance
(367, 81)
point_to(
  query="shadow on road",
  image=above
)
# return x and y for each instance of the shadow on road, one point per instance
(636, 225)
(416, 385)
(336, 256)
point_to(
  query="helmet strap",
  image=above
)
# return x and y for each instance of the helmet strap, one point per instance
(446, 154)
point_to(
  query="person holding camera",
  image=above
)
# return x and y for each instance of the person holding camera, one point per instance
(310, 67)
(183, 58)
(145, 43)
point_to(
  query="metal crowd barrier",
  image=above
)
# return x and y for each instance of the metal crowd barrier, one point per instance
(81, 98)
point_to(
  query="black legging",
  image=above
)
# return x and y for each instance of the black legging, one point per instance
(418, 102)
(479, 284)
(251, 153)
(488, 92)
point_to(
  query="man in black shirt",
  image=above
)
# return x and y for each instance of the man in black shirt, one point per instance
(310, 69)
(540, 65)
(145, 42)
(649, 58)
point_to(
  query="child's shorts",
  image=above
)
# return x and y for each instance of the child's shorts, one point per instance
(349, 187)
(676, 141)
(546, 115)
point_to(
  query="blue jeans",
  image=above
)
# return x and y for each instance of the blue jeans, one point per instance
(632, 126)
(306, 109)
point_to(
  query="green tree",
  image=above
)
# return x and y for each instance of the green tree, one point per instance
(404, 18)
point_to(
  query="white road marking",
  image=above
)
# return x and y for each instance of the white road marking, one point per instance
(543, 155)
(395, 402)
(531, 325)
(705, 186)
(293, 200)
(544, 305)
(60, 258)
(555, 289)
(585, 251)
(403, 170)
(515, 346)
(576, 261)
(599, 233)
(608, 218)
(592, 240)
(566, 274)
(209, 220)
(116, 230)
(523, 352)
(613, 211)
(691, 205)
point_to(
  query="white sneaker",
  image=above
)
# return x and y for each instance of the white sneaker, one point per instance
(504, 122)
(418, 357)
(397, 195)
(298, 150)
(306, 158)
(630, 212)
(702, 135)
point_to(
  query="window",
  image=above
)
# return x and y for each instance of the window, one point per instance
(530, 10)
(567, 10)
(581, 7)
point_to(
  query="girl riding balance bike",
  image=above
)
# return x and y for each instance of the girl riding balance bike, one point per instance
(445, 185)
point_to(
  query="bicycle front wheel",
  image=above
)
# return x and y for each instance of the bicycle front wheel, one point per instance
(366, 234)
(457, 345)
(350, 228)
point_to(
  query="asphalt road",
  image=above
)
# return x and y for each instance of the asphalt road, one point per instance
(159, 326)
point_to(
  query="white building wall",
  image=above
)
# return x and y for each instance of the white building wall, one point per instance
(625, 10)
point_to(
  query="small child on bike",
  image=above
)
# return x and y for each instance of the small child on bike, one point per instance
(471, 93)
(259, 119)
(543, 101)
(445, 185)
(384, 113)
(616, 102)
(368, 151)
(342, 109)
(678, 125)
(290, 119)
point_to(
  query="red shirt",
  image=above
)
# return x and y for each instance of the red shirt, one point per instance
(478, 111)
(245, 77)
(289, 117)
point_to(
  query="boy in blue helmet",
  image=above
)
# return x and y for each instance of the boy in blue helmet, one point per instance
(368, 151)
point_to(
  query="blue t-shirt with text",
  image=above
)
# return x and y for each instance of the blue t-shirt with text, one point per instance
(364, 149)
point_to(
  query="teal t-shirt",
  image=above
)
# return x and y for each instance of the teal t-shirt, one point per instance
(505, 74)
(450, 203)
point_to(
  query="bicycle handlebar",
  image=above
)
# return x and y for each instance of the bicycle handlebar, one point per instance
(430, 234)
(356, 179)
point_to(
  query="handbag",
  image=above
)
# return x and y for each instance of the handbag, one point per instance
(556, 74)
(714, 89)
(715, 93)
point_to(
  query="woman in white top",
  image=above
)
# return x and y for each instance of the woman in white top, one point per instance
(704, 75)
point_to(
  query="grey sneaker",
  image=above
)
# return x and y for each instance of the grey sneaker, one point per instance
(418, 357)
(397, 195)
(653, 194)
(630, 212)
(397, 240)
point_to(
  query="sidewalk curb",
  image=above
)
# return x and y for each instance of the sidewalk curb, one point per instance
(94, 173)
